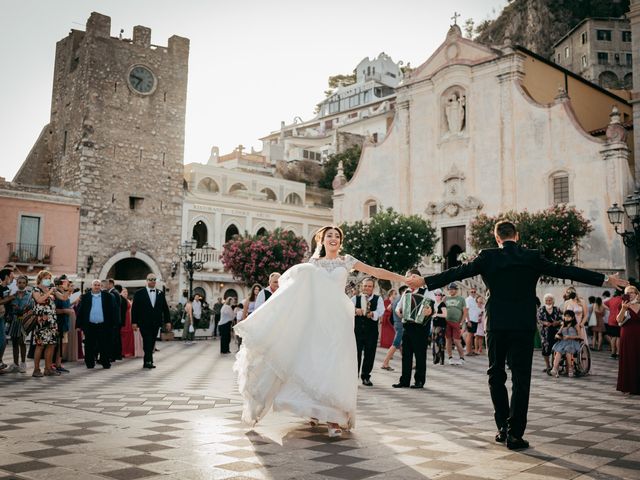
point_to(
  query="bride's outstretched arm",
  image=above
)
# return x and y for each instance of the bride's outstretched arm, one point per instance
(379, 272)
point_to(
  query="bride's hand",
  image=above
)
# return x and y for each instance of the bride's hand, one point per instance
(414, 281)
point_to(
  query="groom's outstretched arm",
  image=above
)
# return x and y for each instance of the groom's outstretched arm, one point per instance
(466, 270)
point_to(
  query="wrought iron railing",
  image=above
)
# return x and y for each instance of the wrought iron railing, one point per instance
(31, 253)
(211, 258)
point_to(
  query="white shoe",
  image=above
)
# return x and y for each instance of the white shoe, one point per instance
(451, 361)
(13, 368)
(334, 432)
(461, 361)
(23, 367)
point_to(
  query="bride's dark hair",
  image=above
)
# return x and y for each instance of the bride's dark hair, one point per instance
(319, 238)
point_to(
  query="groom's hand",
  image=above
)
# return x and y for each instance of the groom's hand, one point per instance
(616, 282)
(414, 281)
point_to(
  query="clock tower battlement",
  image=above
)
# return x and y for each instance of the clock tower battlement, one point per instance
(116, 138)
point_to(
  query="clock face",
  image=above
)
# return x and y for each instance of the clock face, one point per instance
(141, 79)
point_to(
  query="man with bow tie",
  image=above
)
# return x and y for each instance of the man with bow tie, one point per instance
(148, 312)
(369, 308)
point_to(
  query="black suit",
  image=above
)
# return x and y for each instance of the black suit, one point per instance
(97, 336)
(116, 342)
(149, 319)
(511, 274)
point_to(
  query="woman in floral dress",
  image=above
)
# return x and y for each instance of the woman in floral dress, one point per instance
(45, 334)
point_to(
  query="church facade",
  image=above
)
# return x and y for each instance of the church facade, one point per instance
(490, 129)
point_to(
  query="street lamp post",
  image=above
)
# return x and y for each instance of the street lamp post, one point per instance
(630, 208)
(187, 253)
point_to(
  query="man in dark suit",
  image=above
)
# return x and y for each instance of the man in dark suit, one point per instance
(116, 342)
(148, 312)
(95, 318)
(511, 274)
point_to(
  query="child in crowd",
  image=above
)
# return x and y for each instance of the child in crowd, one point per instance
(568, 342)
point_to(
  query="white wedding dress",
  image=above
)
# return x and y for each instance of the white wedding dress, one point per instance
(298, 349)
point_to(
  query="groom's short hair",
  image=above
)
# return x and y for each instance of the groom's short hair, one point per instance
(369, 279)
(505, 229)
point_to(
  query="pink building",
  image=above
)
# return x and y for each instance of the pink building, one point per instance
(39, 231)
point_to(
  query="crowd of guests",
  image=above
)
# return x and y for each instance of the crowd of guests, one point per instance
(455, 321)
(59, 323)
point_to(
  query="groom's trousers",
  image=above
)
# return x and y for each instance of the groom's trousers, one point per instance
(366, 331)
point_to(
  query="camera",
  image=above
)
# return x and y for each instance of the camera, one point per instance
(626, 297)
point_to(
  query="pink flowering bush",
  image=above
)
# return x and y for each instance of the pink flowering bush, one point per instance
(556, 231)
(390, 240)
(252, 258)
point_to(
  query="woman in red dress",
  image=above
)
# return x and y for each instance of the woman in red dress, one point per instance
(629, 346)
(387, 332)
(126, 332)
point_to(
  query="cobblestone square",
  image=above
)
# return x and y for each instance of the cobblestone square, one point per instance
(182, 421)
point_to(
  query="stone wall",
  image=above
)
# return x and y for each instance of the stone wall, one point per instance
(110, 143)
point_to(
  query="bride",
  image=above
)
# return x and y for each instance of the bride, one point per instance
(299, 350)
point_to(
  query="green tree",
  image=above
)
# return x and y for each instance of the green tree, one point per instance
(350, 158)
(556, 231)
(252, 258)
(390, 240)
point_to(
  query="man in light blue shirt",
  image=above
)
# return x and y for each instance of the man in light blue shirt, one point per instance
(96, 320)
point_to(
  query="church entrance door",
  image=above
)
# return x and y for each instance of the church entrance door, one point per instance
(453, 244)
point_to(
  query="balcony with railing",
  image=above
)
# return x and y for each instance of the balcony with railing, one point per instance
(30, 253)
(210, 258)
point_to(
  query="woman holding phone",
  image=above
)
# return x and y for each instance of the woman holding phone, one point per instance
(45, 334)
(629, 321)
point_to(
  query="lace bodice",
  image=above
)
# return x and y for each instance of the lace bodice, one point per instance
(346, 261)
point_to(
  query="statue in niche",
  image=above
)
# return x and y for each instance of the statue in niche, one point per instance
(454, 110)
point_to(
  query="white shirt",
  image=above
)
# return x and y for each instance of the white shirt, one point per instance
(152, 296)
(260, 299)
(474, 309)
(197, 309)
(226, 314)
(379, 311)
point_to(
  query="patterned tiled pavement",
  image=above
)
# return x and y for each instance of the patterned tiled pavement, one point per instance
(182, 421)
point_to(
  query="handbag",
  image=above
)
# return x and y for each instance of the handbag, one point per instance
(29, 321)
(191, 329)
(593, 321)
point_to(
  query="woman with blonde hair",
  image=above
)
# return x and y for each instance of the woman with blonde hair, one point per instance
(315, 376)
(45, 334)
(579, 306)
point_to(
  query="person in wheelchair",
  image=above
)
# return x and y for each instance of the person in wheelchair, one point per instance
(568, 342)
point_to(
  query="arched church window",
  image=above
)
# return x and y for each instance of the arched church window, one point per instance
(237, 188)
(269, 194)
(370, 208)
(559, 185)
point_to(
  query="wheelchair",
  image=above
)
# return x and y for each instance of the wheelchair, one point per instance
(581, 362)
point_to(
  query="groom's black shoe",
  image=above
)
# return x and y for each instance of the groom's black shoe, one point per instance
(400, 385)
(501, 436)
(418, 385)
(367, 382)
(515, 443)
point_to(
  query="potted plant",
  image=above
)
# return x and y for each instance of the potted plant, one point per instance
(13, 257)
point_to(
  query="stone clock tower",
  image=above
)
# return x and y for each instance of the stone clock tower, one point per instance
(116, 139)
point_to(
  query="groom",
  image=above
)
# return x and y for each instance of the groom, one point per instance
(511, 274)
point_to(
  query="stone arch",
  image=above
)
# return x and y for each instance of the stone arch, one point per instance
(230, 292)
(237, 187)
(628, 81)
(453, 111)
(608, 79)
(270, 195)
(293, 199)
(200, 291)
(230, 232)
(200, 233)
(208, 184)
(138, 265)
